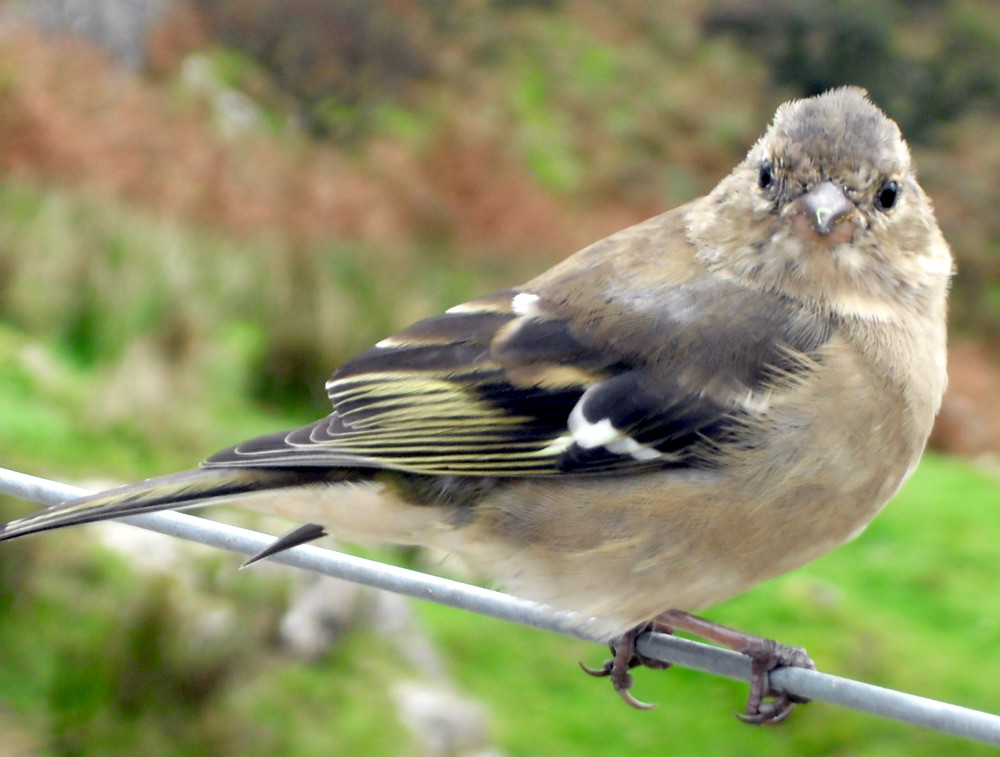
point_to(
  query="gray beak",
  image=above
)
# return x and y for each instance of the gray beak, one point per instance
(825, 206)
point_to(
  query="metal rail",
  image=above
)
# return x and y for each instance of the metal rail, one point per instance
(928, 713)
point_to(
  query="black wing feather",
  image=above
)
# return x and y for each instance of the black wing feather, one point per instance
(482, 390)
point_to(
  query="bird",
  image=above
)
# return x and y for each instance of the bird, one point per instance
(674, 414)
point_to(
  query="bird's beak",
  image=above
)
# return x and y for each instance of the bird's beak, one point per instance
(825, 213)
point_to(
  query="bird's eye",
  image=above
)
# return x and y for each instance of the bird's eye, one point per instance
(765, 178)
(887, 195)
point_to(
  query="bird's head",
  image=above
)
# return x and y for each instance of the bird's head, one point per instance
(826, 208)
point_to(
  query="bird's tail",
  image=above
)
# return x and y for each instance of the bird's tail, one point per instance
(173, 492)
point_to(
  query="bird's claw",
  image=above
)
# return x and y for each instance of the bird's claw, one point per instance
(765, 706)
(624, 658)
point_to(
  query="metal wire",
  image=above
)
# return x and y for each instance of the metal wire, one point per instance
(810, 684)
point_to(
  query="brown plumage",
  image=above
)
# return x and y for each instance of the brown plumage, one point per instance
(674, 414)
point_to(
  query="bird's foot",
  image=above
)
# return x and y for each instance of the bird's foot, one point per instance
(765, 705)
(624, 658)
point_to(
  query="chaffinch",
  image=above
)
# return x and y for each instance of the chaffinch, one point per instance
(672, 415)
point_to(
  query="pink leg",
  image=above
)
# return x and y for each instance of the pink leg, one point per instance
(764, 706)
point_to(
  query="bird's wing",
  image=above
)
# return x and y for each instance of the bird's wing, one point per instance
(514, 385)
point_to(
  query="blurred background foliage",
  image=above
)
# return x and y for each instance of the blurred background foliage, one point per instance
(207, 205)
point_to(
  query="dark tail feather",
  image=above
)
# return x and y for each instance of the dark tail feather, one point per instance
(173, 492)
